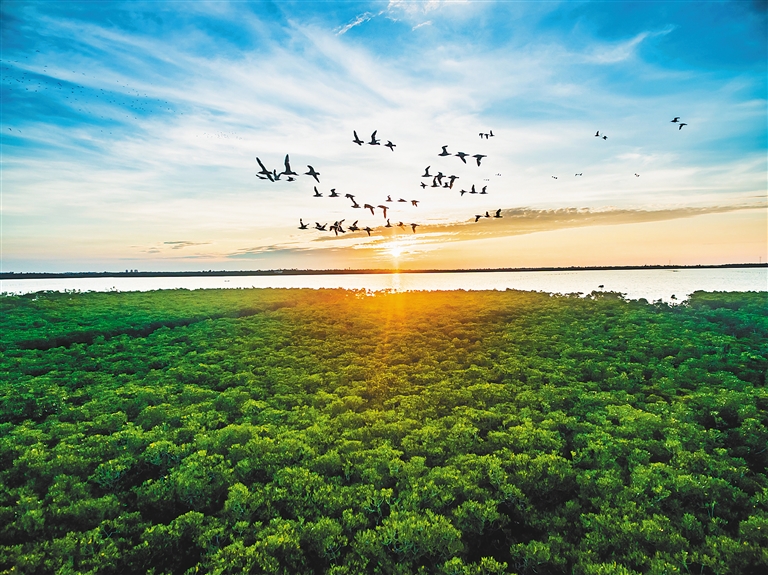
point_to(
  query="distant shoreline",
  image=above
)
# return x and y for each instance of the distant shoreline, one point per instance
(298, 272)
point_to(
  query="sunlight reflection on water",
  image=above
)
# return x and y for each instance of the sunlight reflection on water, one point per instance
(649, 284)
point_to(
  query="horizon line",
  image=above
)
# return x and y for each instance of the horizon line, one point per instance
(351, 271)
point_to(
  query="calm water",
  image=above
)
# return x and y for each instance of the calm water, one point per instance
(649, 284)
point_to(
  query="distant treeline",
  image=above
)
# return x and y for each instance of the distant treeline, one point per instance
(136, 273)
(343, 433)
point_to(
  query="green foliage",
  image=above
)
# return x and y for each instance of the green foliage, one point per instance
(330, 431)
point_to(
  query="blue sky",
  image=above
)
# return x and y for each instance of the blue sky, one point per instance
(130, 132)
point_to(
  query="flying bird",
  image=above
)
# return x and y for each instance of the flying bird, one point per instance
(319, 227)
(302, 225)
(423, 185)
(426, 171)
(477, 218)
(333, 193)
(415, 203)
(389, 198)
(384, 208)
(605, 137)
(597, 134)
(390, 145)
(402, 200)
(357, 140)
(453, 179)
(367, 229)
(439, 177)
(350, 196)
(264, 170)
(680, 126)
(374, 141)
(401, 225)
(490, 133)
(312, 173)
(479, 157)
(484, 188)
(461, 156)
(498, 213)
(288, 171)
(388, 224)
(413, 227)
(317, 194)
(353, 227)
(445, 152)
(369, 207)
(675, 120)
(473, 190)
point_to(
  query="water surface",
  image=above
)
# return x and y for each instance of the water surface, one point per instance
(649, 284)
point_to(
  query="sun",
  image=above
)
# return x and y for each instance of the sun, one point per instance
(395, 250)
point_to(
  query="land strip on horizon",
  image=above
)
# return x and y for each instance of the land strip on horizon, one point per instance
(350, 271)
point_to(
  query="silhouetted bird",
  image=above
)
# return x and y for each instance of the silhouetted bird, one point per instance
(415, 203)
(434, 183)
(597, 134)
(680, 126)
(413, 227)
(425, 175)
(605, 137)
(498, 213)
(384, 208)
(388, 224)
(367, 229)
(319, 227)
(389, 199)
(462, 192)
(302, 225)
(445, 152)
(288, 171)
(369, 207)
(675, 120)
(637, 175)
(312, 173)
(350, 196)
(400, 225)
(353, 227)
(479, 157)
(355, 204)
(374, 141)
(402, 200)
(461, 156)
(490, 133)
(265, 171)
(477, 218)
(317, 194)
(390, 145)
(439, 177)
(357, 140)
(333, 193)
(423, 185)
(473, 191)
(453, 179)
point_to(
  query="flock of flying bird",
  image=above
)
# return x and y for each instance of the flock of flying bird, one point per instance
(439, 180)
(338, 226)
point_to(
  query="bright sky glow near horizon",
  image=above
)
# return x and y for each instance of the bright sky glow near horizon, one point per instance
(130, 132)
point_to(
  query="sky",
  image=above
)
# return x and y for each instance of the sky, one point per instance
(131, 132)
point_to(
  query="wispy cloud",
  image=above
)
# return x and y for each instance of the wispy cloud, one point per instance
(361, 19)
(184, 244)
